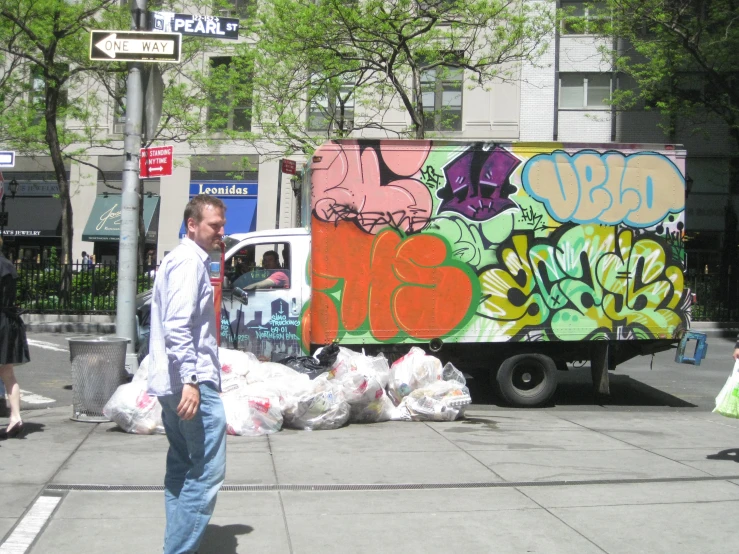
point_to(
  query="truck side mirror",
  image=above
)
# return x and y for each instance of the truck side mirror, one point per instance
(240, 295)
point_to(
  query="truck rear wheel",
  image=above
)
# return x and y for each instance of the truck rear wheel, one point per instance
(527, 380)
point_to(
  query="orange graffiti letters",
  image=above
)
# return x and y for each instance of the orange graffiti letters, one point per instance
(386, 282)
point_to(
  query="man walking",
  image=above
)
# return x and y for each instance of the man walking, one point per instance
(184, 372)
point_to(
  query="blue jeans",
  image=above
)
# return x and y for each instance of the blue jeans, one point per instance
(196, 468)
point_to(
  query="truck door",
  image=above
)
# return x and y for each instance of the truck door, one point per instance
(261, 305)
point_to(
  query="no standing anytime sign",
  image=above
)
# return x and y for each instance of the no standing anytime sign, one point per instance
(156, 162)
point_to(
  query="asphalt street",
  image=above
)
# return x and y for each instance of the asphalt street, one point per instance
(642, 384)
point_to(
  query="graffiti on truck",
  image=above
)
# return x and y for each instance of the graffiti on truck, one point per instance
(414, 240)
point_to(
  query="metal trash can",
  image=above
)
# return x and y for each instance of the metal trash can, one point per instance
(98, 369)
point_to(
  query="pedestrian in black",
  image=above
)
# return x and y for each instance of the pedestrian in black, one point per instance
(13, 344)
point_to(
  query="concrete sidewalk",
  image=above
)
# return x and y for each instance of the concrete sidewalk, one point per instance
(503, 481)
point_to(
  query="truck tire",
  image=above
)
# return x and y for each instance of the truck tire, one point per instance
(527, 380)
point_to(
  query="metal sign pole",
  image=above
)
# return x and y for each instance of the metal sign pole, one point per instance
(279, 194)
(125, 321)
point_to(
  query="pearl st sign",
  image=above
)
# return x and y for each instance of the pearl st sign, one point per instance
(196, 25)
(135, 46)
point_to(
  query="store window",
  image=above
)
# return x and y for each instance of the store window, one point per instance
(585, 90)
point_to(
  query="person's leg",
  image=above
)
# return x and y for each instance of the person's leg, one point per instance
(178, 461)
(13, 391)
(206, 442)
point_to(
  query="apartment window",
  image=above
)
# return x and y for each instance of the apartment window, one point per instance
(233, 8)
(583, 18)
(37, 91)
(441, 89)
(231, 99)
(331, 108)
(119, 104)
(584, 90)
(436, 6)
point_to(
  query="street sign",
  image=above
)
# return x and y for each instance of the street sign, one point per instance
(153, 96)
(156, 162)
(135, 46)
(7, 159)
(289, 166)
(195, 25)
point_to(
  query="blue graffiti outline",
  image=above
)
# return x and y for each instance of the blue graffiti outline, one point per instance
(571, 158)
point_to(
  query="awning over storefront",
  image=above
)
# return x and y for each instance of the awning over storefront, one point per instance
(104, 224)
(33, 217)
(241, 215)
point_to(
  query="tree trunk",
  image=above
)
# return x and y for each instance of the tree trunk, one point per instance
(57, 160)
(417, 115)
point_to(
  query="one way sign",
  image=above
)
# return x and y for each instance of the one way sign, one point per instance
(135, 46)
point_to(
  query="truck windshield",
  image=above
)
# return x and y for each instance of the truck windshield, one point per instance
(230, 243)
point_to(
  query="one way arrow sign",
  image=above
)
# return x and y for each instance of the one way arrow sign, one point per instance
(134, 46)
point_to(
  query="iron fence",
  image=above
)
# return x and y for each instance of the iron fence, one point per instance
(92, 288)
(717, 296)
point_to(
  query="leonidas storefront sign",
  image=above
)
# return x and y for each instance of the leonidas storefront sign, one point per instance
(104, 223)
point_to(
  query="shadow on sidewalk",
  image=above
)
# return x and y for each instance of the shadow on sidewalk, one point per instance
(575, 389)
(221, 539)
(730, 455)
(29, 427)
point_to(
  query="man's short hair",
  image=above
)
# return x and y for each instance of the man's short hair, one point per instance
(273, 254)
(197, 204)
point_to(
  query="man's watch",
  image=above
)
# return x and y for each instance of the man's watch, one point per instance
(192, 379)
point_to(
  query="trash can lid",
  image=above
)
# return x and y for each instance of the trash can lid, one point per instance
(97, 340)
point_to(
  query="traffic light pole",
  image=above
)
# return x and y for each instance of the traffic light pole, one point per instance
(125, 321)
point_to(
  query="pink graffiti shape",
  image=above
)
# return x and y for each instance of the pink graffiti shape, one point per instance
(352, 187)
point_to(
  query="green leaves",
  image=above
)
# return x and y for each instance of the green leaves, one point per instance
(379, 49)
(681, 55)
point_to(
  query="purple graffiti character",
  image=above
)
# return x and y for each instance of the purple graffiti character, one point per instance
(477, 183)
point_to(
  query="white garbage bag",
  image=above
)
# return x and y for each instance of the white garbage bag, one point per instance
(252, 410)
(438, 401)
(238, 362)
(134, 410)
(362, 380)
(319, 405)
(412, 371)
(142, 373)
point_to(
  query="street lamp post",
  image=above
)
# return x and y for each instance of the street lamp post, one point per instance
(13, 187)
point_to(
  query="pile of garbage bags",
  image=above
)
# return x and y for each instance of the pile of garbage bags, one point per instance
(336, 387)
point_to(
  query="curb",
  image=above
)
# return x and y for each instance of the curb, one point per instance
(725, 329)
(71, 327)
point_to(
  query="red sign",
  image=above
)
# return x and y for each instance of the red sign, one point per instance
(289, 166)
(156, 162)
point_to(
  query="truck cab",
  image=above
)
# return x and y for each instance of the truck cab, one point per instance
(264, 290)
